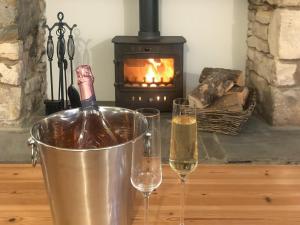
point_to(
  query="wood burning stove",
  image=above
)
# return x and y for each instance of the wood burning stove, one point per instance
(148, 67)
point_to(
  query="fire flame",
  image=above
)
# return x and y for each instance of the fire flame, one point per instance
(161, 71)
(149, 71)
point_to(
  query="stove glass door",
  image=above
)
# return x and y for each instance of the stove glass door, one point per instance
(149, 72)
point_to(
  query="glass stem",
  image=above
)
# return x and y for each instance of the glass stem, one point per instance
(146, 207)
(182, 195)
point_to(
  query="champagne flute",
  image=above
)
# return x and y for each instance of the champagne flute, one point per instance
(146, 171)
(183, 148)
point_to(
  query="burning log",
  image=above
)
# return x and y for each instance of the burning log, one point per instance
(217, 82)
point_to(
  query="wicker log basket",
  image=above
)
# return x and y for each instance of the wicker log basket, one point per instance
(226, 122)
(224, 103)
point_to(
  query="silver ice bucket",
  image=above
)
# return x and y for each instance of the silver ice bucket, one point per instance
(88, 186)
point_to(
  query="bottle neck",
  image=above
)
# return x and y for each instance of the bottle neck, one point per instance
(89, 103)
(87, 96)
(85, 80)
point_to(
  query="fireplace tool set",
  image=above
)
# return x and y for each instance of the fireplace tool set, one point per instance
(68, 96)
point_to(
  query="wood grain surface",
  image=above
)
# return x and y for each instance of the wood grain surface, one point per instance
(215, 195)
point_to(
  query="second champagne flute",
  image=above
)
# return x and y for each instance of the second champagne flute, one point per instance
(183, 149)
(146, 171)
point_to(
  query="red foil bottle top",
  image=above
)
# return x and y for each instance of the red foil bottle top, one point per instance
(85, 80)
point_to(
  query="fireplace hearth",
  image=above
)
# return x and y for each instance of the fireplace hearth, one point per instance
(148, 67)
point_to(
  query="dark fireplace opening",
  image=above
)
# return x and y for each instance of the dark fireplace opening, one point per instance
(148, 67)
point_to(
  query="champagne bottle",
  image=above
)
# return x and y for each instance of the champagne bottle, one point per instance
(95, 130)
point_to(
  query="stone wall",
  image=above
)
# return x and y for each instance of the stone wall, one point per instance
(273, 65)
(22, 60)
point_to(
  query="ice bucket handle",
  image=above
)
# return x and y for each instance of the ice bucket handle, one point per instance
(34, 151)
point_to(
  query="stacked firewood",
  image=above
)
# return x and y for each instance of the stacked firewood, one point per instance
(220, 89)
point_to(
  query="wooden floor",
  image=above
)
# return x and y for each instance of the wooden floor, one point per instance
(216, 195)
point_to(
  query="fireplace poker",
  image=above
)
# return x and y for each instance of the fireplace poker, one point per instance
(60, 56)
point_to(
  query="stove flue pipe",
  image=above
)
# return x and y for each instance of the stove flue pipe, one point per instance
(149, 22)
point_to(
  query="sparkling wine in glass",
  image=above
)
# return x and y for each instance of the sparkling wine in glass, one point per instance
(183, 148)
(146, 171)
